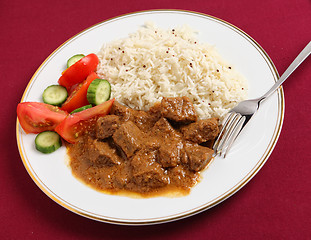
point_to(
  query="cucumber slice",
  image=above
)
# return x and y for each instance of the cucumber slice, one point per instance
(98, 92)
(48, 142)
(81, 109)
(55, 95)
(74, 59)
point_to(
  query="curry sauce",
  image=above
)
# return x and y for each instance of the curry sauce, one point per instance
(149, 153)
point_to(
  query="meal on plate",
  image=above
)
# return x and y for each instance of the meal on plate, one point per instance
(141, 115)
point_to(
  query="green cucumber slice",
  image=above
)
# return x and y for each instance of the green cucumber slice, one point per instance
(81, 108)
(99, 91)
(74, 59)
(48, 142)
(55, 95)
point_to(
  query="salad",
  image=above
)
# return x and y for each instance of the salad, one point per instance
(79, 96)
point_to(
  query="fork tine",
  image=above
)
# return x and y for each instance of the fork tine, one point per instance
(226, 120)
(227, 129)
(233, 136)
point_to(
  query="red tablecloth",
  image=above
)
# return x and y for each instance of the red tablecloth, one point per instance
(275, 204)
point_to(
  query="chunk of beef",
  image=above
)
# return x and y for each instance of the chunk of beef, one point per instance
(143, 120)
(182, 177)
(129, 138)
(122, 111)
(201, 131)
(155, 111)
(178, 109)
(169, 153)
(164, 129)
(120, 176)
(101, 153)
(147, 173)
(197, 157)
(106, 126)
(169, 143)
(152, 143)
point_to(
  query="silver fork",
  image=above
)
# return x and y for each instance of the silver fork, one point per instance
(240, 115)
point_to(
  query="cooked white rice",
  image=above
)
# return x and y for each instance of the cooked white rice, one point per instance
(153, 63)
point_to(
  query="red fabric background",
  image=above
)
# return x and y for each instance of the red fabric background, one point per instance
(275, 204)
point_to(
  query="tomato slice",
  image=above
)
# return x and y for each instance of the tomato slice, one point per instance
(74, 125)
(78, 98)
(78, 71)
(36, 117)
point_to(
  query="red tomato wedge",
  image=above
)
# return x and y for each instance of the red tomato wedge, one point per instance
(78, 98)
(36, 117)
(78, 71)
(73, 125)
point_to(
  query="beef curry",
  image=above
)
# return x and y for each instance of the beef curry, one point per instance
(145, 152)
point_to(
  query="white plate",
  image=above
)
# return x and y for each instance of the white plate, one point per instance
(224, 176)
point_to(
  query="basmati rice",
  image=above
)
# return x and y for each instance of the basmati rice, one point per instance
(153, 63)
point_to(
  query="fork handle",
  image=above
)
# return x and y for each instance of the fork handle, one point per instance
(298, 60)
